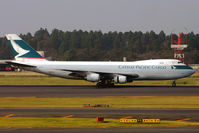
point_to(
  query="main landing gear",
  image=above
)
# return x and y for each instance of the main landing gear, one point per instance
(174, 83)
(105, 83)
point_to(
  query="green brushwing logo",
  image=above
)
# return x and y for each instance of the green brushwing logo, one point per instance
(22, 49)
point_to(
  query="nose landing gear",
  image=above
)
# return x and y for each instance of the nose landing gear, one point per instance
(174, 83)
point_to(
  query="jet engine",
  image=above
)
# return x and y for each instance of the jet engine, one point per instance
(122, 79)
(93, 77)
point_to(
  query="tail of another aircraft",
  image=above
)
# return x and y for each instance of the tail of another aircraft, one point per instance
(22, 50)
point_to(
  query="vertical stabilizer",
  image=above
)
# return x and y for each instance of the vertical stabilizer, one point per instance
(22, 50)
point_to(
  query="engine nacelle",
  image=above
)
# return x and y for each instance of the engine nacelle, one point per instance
(93, 77)
(122, 79)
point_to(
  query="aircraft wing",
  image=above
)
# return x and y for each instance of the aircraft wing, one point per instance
(82, 73)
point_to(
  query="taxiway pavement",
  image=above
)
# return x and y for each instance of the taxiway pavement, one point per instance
(163, 114)
(92, 91)
(103, 130)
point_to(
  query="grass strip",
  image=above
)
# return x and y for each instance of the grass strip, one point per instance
(36, 122)
(46, 80)
(40, 80)
(114, 102)
(32, 78)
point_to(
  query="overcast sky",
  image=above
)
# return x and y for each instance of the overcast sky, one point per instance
(23, 16)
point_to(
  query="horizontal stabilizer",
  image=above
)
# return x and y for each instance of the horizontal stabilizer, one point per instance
(19, 64)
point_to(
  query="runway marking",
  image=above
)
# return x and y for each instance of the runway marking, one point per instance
(185, 119)
(68, 116)
(10, 115)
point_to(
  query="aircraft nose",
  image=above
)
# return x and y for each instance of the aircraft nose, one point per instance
(193, 71)
(190, 71)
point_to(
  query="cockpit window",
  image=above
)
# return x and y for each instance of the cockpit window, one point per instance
(181, 67)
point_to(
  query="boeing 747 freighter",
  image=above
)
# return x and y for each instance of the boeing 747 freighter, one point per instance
(104, 73)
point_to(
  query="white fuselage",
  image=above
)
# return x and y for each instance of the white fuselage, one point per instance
(158, 69)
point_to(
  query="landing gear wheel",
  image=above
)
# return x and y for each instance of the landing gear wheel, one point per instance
(174, 84)
(99, 84)
(105, 83)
